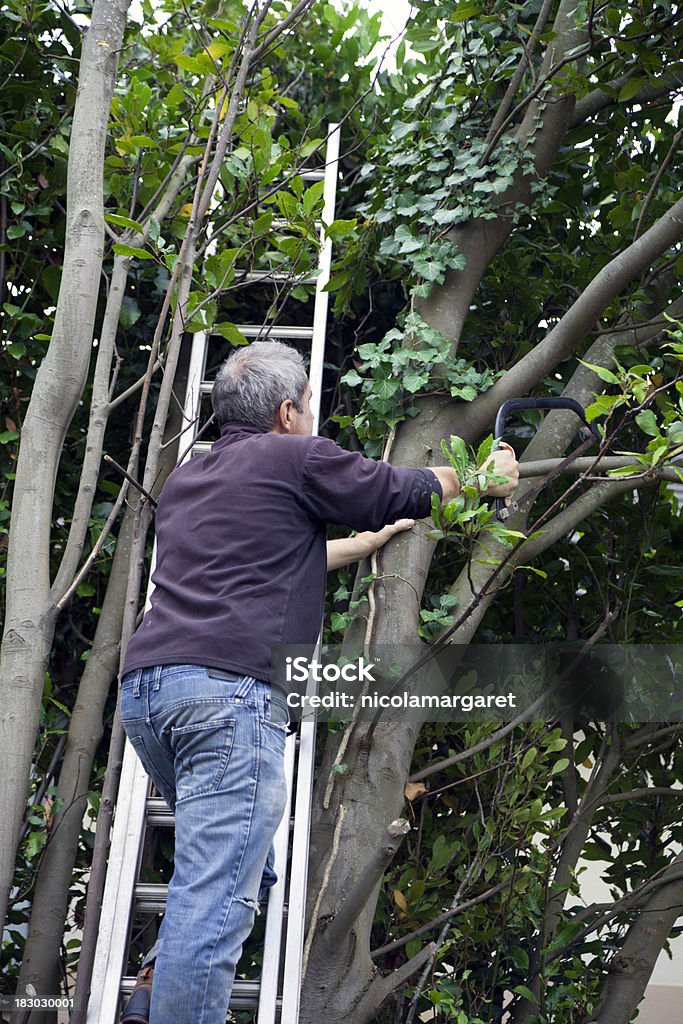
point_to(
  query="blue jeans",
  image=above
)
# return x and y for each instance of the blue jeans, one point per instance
(213, 743)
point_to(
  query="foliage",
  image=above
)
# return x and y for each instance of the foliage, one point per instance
(420, 164)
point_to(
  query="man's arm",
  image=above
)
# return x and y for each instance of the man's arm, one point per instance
(352, 549)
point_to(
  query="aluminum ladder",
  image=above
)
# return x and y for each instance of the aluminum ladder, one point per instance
(136, 809)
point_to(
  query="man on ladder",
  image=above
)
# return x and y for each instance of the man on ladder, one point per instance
(241, 561)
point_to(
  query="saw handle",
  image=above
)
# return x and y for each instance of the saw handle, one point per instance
(516, 404)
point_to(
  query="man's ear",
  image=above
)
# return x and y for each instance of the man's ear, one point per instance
(284, 417)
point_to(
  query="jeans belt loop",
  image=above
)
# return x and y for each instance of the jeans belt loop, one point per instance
(156, 677)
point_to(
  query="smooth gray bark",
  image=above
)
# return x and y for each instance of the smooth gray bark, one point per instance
(631, 968)
(29, 619)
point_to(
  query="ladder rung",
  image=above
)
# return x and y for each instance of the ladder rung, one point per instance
(275, 276)
(275, 331)
(159, 813)
(150, 898)
(244, 993)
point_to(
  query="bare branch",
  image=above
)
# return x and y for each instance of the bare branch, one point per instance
(582, 316)
(390, 947)
(524, 63)
(591, 104)
(294, 14)
(658, 177)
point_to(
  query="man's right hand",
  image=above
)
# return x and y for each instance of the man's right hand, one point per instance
(503, 462)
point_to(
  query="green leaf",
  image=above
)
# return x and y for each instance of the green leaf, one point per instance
(413, 381)
(352, 377)
(312, 196)
(143, 141)
(175, 95)
(647, 421)
(630, 88)
(124, 222)
(528, 758)
(339, 229)
(262, 224)
(230, 332)
(603, 374)
(465, 11)
(559, 766)
(339, 621)
(522, 990)
(129, 250)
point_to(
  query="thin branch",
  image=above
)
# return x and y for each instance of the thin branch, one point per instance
(390, 947)
(640, 794)
(99, 543)
(658, 177)
(651, 734)
(300, 9)
(133, 389)
(542, 467)
(524, 63)
(341, 815)
(581, 317)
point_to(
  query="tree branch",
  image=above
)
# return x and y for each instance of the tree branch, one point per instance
(580, 318)
(631, 968)
(382, 987)
(295, 13)
(658, 177)
(355, 901)
(390, 947)
(524, 63)
(598, 99)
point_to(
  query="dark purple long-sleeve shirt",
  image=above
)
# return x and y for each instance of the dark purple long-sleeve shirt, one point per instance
(241, 541)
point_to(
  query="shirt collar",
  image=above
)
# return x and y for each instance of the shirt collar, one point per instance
(237, 430)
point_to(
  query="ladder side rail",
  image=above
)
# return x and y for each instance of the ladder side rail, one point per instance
(270, 972)
(324, 263)
(122, 870)
(296, 920)
(129, 820)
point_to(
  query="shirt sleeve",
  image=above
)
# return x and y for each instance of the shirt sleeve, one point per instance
(346, 488)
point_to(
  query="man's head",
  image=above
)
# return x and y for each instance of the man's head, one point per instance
(265, 384)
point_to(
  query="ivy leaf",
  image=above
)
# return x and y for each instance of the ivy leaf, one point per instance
(429, 269)
(352, 377)
(413, 381)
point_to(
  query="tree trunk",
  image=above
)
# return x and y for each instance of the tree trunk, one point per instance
(50, 899)
(40, 964)
(630, 970)
(29, 620)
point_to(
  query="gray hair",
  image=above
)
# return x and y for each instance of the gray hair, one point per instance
(253, 382)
